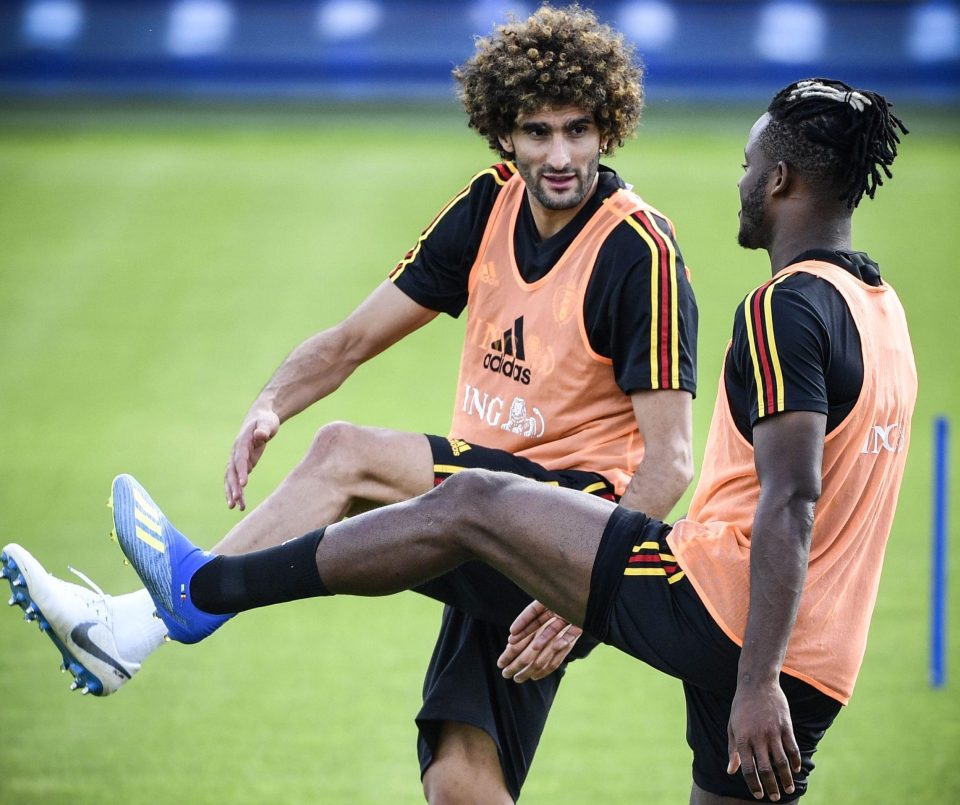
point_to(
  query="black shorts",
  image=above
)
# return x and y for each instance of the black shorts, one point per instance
(463, 682)
(642, 603)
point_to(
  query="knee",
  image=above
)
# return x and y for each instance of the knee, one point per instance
(336, 453)
(474, 487)
(470, 507)
(443, 787)
(461, 787)
(471, 493)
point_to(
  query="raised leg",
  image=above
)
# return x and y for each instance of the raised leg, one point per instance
(347, 468)
(544, 539)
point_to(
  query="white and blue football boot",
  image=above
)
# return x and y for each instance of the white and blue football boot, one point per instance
(164, 559)
(80, 622)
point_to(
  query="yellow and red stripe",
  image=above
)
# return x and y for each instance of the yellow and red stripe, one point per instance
(501, 174)
(768, 376)
(664, 317)
(649, 560)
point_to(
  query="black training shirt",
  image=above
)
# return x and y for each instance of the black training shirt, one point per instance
(819, 363)
(617, 303)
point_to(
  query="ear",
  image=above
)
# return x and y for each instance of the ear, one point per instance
(782, 179)
(506, 143)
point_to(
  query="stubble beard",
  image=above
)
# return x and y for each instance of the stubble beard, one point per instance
(753, 214)
(582, 186)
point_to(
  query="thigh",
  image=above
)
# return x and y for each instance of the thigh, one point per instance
(463, 684)
(642, 603)
(543, 539)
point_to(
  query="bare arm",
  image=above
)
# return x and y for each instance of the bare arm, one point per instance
(317, 368)
(540, 641)
(665, 422)
(788, 452)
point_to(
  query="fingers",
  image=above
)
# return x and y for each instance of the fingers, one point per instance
(793, 751)
(549, 658)
(733, 762)
(510, 661)
(555, 631)
(231, 487)
(789, 763)
(262, 434)
(247, 449)
(758, 771)
(760, 740)
(781, 770)
(236, 476)
(534, 615)
(538, 656)
(748, 768)
(765, 769)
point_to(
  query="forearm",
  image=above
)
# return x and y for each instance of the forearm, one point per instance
(665, 423)
(659, 482)
(312, 371)
(320, 364)
(779, 550)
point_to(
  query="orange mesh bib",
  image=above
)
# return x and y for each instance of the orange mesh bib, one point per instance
(863, 463)
(529, 381)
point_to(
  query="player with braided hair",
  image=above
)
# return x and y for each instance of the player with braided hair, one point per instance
(760, 599)
(847, 136)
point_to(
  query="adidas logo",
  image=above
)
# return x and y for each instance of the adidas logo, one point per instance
(458, 446)
(509, 355)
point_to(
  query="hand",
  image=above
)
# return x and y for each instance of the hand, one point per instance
(538, 644)
(760, 739)
(258, 428)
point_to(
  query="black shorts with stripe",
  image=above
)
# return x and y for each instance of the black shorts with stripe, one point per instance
(642, 603)
(463, 683)
(453, 455)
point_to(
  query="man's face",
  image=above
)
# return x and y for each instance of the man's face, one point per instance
(754, 219)
(557, 152)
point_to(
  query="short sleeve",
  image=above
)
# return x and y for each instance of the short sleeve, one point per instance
(780, 352)
(640, 308)
(435, 272)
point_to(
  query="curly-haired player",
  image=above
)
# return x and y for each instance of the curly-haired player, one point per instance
(759, 600)
(569, 375)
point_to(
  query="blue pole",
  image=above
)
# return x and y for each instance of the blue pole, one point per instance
(938, 602)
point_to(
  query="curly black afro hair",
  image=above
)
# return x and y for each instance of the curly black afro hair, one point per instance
(557, 57)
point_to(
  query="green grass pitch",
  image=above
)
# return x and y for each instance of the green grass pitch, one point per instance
(155, 267)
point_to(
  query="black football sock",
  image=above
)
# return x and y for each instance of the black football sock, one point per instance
(287, 572)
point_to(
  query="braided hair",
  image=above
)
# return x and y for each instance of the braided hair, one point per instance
(835, 136)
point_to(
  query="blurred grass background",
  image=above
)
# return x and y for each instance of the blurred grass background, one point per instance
(157, 263)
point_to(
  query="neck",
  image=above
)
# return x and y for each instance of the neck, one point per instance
(830, 233)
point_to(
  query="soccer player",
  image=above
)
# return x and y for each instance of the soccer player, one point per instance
(578, 370)
(759, 600)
